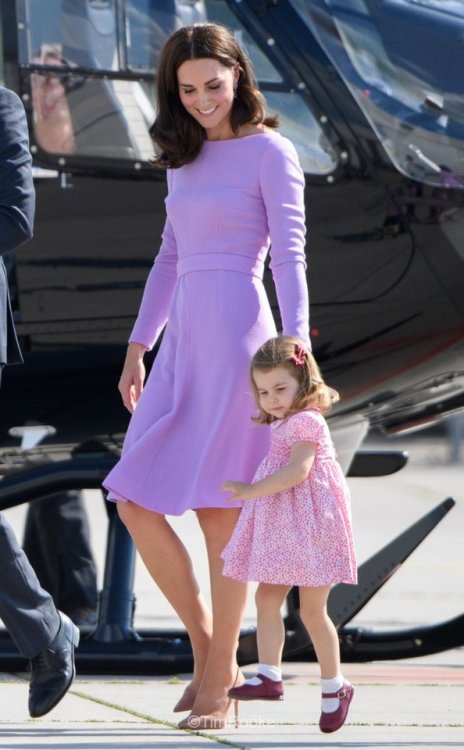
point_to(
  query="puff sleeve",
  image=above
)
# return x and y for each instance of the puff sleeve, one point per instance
(305, 427)
(153, 312)
(282, 188)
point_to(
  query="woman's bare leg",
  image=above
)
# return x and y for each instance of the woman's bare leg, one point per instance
(169, 565)
(228, 602)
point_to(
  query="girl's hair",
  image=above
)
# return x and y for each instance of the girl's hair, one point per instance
(290, 353)
(176, 134)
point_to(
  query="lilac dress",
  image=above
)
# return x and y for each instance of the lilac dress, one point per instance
(191, 429)
(301, 536)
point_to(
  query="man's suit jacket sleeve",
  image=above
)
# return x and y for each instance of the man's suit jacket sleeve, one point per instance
(17, 197)
(17, 205)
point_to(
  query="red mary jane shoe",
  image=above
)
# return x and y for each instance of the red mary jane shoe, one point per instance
(268, 690)
(330, 722)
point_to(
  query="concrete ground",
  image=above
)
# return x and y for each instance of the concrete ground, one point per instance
(416, 703)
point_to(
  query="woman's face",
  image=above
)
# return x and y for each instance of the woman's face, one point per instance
(206, 89)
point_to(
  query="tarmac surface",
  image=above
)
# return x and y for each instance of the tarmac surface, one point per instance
(413, 704)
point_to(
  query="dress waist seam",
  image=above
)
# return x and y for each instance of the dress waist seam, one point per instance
(221, 262)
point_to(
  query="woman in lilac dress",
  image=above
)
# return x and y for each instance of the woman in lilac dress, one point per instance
(234, 187)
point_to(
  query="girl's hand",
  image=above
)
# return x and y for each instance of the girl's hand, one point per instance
(239, 490)
(133, 376)
(288, 476)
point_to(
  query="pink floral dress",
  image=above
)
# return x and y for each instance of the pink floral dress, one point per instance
(301, 536)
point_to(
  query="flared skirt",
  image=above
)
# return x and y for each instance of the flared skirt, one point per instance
(192, 428)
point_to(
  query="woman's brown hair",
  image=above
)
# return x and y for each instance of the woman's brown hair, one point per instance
(178, 137)
(290, 353)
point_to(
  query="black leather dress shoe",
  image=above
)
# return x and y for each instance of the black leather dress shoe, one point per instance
(53, 670)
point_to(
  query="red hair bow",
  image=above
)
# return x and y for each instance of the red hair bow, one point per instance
(299, 356)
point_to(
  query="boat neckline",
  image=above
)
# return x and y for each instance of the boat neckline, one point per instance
(239, 138)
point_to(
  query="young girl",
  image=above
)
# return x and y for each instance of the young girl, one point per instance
(297, 532)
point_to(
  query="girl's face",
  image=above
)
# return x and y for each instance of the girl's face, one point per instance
(277, 390)
(206, 89)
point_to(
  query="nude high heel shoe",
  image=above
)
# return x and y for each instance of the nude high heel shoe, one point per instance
(186, 700)
(217, 719)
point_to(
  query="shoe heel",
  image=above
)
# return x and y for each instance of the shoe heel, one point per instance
(236, 717)
(76, 635)
(71, 631)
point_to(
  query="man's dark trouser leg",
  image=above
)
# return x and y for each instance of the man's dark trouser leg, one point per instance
(27, 610)
(57, 544)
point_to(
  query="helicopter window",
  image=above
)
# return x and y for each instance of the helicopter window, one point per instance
(85, 29)
(413, 101)
(219, 12)
(149, 23)
(297, 123)
(74, 112)
(87, 116)
(296, 119)
(82, 107)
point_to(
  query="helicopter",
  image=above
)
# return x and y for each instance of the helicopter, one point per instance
(377, 117)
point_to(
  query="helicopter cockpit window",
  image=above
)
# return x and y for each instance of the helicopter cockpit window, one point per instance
(92, 65)
(86, 31)
(219, 12)
(149, 23)
(297, 121)
(80, 105)
(402, 60)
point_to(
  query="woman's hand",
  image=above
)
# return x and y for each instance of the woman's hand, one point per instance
(133, 376)
(239, 490)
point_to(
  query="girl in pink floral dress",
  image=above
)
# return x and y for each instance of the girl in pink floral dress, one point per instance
(297, 529)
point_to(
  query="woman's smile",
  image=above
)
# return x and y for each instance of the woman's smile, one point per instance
(206, 112)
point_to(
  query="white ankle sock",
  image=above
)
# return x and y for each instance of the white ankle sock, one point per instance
(329, 705)
(271, 672)
(267, 670)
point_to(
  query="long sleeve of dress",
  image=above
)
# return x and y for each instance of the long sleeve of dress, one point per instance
(282, 187)
(153, 312)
